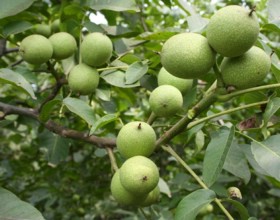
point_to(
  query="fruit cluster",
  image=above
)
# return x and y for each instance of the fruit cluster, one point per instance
(136, 182)
(95, 49)
(191, 55)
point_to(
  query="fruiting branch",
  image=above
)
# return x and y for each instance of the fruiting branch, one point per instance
(112, 159)
(240, 92)
(199, 121)
(253, 9)
(58, 129)
(203, 104)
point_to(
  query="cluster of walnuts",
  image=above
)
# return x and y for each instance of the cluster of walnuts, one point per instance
(232, 32)
(95, 50)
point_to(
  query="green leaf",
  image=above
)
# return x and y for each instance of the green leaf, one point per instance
(11, 207)
(16, 79)
(216, 153)
(117, 78)
(272, 106)
(9, 8)
(250, 157)
(113, 5)
(16, 27)
(164, 188)
(135, 71)
(57, 146)
(106, 119)
(236, 163)
(267, 155)
(189, 206)
(273, 7)
(80, 108)
(48, 108)
(243, 212)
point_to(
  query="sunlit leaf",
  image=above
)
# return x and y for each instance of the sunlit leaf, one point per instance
(11, 207)
(16, 79)
(117, 78)
(9, 8)
(135, 71)
(106, 119)
(267, 155)
(216, 153)
(80, 108)
(236, 163)
(189, 206)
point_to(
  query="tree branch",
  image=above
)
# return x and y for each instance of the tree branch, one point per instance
(58, 129)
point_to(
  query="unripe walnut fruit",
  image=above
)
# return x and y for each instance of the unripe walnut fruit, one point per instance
(139, 175)
(165, 78)
(166, 100)
(83, 79)
(187, 55)
(247, 70)
(36, 49)
(232, 30)
(64, 45)
(121, 195)
(96, 49)
(136, 138)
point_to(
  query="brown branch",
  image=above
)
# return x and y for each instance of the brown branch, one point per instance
(58, 129)
(54, 92)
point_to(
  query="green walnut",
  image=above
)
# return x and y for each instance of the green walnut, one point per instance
(166, 100)
(64, 45)
(121, 195)
(139, 175)
(247, 70)
(165, 78)
(187, 55)
(232, 30)
(83, 79)
(42, 29)
(152, 198)
(136, 138)
(96, 49)
(36, 49)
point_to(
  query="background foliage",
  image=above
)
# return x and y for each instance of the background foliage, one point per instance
(67, 176)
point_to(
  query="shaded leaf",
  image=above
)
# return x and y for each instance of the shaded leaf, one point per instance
(243, 212)
(113, 5)
(16, 79)
(80, 108)
(216, 153)
(117, 78)
(189, 206)
(57, 146)
(106, 119)
(9, 8)
(11, 207)
(250, 157)
(47, 109)
(135, 71)
(267, 155)
(103, 94)
(16, 27)
(272, 106)
(236, 163)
